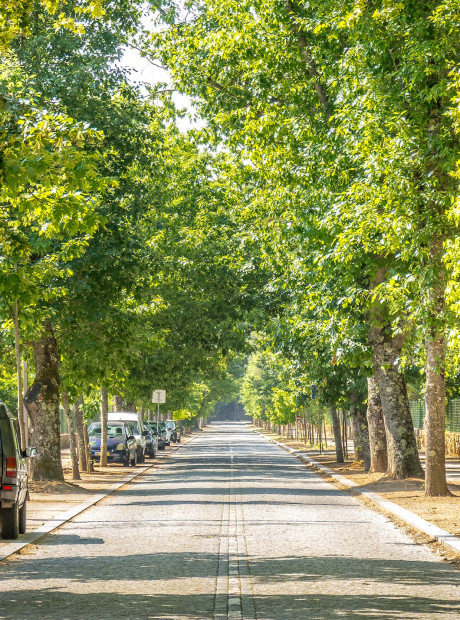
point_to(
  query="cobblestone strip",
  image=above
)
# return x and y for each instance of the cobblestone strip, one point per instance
(221, 602)
(235, 607)
(234, 593)
(246, 587)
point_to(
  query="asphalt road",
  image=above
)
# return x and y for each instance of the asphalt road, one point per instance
(231, 526)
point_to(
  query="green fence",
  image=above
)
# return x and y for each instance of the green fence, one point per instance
(417, 409)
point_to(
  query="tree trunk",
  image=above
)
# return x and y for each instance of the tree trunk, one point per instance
(17, 348)
(79, 424)
(360, 435)
(377, 436)
(403, 459)
(118, 403)
(337, 433)
(72, 438)
(435, 434)
(435, 389)
(104, 416)
(344, 434)
(89, 463)
(42, 403)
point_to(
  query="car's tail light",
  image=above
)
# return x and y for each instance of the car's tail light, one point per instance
(11, 467)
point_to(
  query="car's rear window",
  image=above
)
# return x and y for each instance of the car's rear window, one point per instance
(8, 436)
(113, 430)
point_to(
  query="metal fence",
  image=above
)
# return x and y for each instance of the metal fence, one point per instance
(418, 409)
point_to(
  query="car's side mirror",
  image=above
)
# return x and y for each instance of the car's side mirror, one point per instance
(30, 452)
(130, 437)
(145, 433)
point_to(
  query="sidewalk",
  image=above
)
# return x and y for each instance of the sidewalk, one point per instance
(53, 503)
(436, 517)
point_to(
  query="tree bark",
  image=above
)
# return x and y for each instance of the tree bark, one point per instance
(104, 417)
(337, 433)
(89, 463)
(377, 435)
(72, 438)
(403, 458)
(118, 403)
(435, 388)
(42, 403)
(79, 424)
(360, 433)
(344, 434)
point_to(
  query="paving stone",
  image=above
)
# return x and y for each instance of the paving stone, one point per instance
(230, 526)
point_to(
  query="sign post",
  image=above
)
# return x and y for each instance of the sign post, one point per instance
(158, 396)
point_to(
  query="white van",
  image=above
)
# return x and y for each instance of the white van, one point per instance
(133, 421)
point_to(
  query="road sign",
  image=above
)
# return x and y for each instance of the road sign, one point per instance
(159, 396)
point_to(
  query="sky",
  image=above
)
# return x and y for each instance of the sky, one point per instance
(147, 72)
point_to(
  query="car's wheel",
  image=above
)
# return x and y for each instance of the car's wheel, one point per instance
(178, 439)
(161, 447)
(9, 519)
(141, 457)
(126, 462)
(23, 518)
(133, 461)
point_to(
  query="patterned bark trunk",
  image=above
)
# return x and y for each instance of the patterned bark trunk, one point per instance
(403, 459)
(72, 437)
(104, 412)
(360, 435)
(435, 389)
(79, 424)
(377, 435)
(42, 403)
(337, 434)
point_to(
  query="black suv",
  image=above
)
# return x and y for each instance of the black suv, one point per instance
(13, 477)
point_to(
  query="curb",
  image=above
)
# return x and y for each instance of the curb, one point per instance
(446, 539)
(35, 536)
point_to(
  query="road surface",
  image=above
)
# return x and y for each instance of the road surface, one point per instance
(231, 526)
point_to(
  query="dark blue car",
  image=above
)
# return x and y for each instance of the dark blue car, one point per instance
(121, 443)
(160, 436)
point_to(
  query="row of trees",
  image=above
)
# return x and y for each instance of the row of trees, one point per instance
(340, 120)
(117, 257)
(316, 210)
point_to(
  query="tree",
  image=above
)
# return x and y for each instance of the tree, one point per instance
(364, 137)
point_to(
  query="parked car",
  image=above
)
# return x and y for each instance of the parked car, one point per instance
(174, 431)
(121, 443)
(13, 477)
(167, 433)
(136, 425)
(159, 434)
(151, 442)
